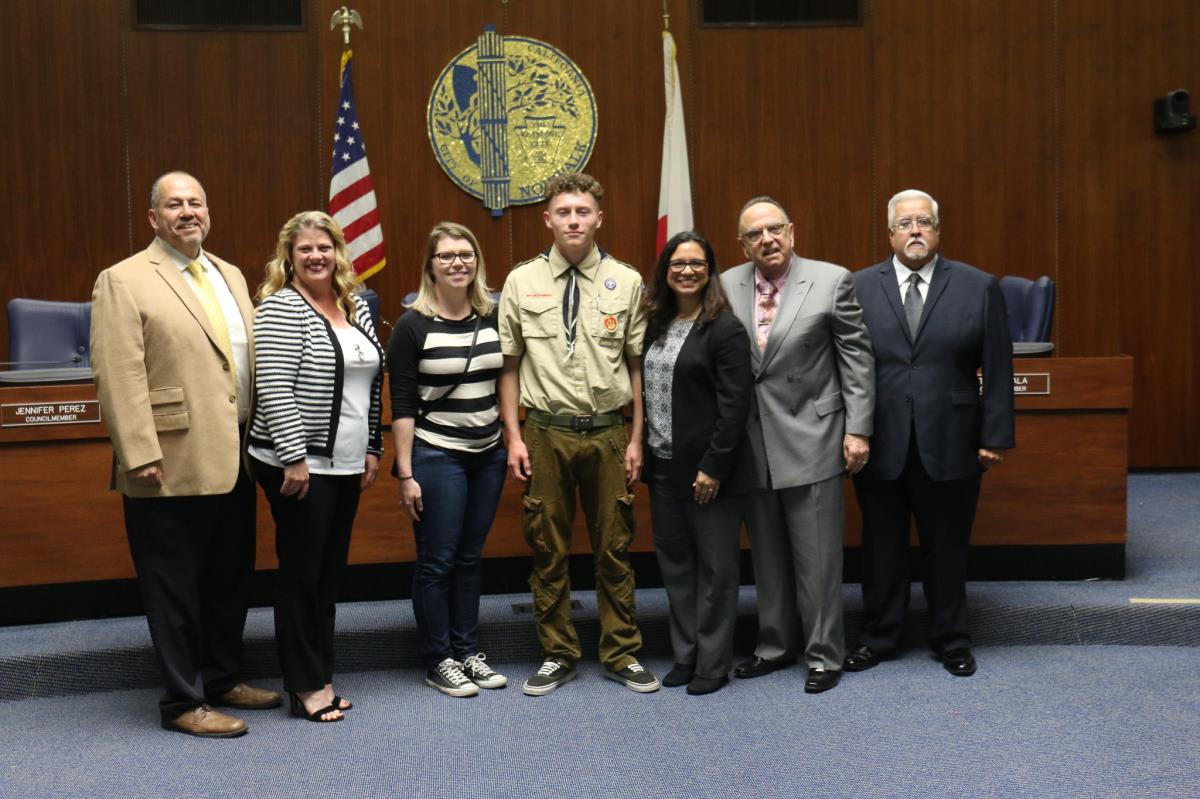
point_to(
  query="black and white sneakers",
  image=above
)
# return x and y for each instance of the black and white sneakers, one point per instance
(635, 678)
(481, 673)
(551, 675)
(466, 678)
(448, 677)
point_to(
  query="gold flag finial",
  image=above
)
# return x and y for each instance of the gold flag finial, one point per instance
(666, 17)
(345, 17)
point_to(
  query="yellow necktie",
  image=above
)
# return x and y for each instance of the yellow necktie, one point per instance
(212, 307)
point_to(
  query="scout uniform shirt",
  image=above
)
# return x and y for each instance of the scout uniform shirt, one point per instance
(610, 327)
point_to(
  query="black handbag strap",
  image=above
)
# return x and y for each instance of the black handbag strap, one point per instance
(437, 403)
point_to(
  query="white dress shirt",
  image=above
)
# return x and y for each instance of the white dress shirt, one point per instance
(902, 273)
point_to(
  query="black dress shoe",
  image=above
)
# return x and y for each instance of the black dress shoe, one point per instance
(959, 662)
(679, 674)
(821, 680)
(706, 685)
(862, 658)
(757, 667)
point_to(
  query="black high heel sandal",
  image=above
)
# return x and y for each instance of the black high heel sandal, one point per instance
(299, 710)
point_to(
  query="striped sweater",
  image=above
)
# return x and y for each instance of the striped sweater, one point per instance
(426, 357)
(298, 378)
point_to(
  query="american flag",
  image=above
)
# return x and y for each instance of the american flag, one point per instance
(351, 192)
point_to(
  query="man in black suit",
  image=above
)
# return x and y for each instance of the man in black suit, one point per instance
(933, 324)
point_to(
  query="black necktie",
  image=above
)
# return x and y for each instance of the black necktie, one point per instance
(913, 304)
(571, 309)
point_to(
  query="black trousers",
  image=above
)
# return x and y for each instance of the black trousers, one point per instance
(944, 512)
(699, 555)
(194, 558)
(312, 542)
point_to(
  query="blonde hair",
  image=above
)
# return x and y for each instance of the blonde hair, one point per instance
(478, 293)
(279, 269)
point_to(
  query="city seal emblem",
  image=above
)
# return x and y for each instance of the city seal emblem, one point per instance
(507, 114)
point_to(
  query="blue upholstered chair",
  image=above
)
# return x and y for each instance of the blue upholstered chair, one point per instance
(372, 298)
(48, 335)
(1030, 307)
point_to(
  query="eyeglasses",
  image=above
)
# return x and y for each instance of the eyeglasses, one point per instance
(447, 258)
(904, 225)
(776, 230)
(696, 266)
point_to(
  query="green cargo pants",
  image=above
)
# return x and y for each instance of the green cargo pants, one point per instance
(593, 461)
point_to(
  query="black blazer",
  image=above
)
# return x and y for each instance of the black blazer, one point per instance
(964, 327)
(710, 399)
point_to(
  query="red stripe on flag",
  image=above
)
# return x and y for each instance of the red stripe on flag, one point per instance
(368, 259)
(361, 225)
(351, 193)
(661, 237)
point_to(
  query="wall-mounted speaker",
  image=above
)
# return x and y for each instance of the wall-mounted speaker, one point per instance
(1172, 114)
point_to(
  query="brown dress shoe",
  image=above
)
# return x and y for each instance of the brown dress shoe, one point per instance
(204, 722)
(246, 697)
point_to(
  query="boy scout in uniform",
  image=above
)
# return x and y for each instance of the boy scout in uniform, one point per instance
(571, 330)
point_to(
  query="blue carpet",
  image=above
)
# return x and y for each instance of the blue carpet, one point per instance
(1034, 722)
(1072, 716)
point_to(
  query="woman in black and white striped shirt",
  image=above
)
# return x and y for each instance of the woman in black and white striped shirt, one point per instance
(443, 360)
(315, 440)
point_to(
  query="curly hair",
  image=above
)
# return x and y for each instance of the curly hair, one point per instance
(279, 269)
(574, 183)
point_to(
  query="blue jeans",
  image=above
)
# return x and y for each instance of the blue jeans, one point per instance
(460, 492)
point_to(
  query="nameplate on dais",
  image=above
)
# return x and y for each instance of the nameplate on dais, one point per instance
(33, 414)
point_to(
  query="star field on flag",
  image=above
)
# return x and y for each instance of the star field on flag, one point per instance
(351, 191)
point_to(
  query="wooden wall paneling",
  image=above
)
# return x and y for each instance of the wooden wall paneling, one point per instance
(972, 101)
(1130, 242)
(64, 167)
(783, 112)
(237, 110)
(962, 110)
(1158, 215)
(1087, 314)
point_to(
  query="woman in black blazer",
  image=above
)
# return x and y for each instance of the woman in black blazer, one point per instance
(697, 383)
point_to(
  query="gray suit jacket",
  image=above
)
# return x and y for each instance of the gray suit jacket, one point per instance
(816, 380)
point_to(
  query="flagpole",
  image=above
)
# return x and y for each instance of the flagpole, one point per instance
(352, 201)
(675, 191)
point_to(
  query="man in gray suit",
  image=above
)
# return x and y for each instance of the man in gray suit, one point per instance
(809, 424)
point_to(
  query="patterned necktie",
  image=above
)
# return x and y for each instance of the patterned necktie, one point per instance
(570, 310)
(766, 312)
(216, 317)
(913, 304)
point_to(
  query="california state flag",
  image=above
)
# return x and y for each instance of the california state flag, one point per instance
(675, 186)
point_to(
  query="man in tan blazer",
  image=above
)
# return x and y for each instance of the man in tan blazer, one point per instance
(172, 356)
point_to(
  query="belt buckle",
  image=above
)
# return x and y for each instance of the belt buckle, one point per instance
(583, 422)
